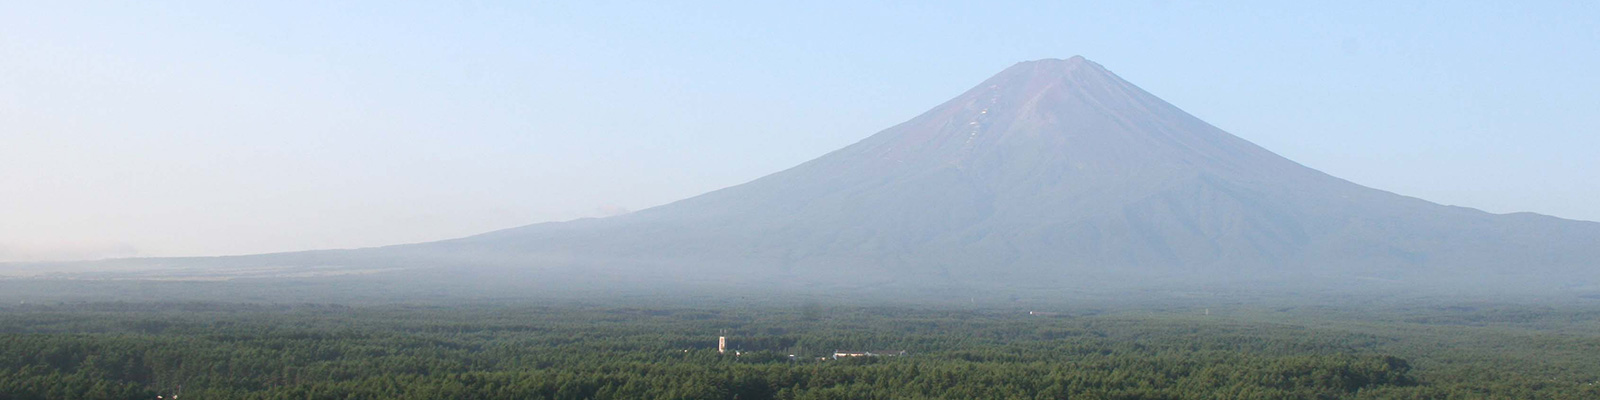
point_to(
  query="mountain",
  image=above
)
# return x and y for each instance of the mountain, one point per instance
(1055, 170)
(1052, 172)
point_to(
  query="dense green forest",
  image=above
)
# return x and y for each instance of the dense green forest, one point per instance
(607, 351)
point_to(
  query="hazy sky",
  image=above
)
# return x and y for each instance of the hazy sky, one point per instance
(203, 128)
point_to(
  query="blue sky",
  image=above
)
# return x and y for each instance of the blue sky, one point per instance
(166, 128)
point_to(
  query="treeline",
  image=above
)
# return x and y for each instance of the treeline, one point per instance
(210, 351)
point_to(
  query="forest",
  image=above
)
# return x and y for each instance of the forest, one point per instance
(589, 350)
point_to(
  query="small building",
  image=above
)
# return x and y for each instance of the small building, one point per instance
(875, 353)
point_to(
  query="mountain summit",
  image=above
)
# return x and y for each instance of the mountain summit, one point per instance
(1051, 171)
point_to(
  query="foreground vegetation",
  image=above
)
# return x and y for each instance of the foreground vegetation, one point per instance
(577, 351)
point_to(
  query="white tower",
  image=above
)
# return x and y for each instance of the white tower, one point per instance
(722, 344)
